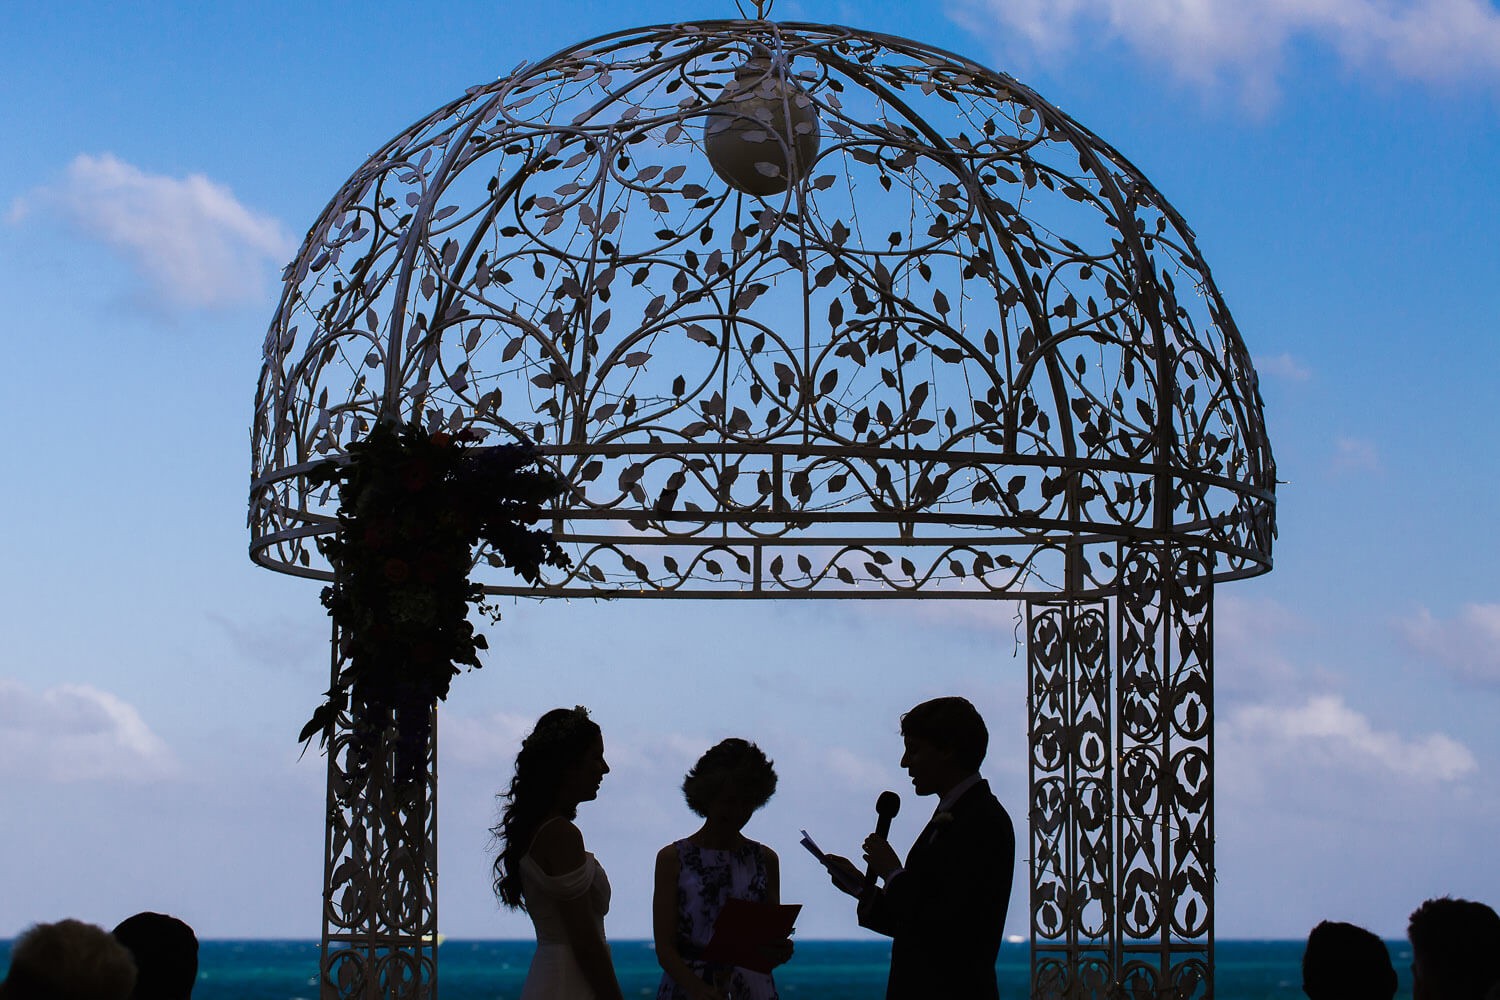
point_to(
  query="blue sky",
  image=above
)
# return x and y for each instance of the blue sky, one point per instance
(161, 161)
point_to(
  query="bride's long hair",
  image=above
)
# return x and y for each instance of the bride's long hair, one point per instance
(560, 740)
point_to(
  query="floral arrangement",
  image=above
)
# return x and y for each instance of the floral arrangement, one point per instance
(412, 506)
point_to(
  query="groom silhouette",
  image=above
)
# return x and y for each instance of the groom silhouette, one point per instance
(944, 909)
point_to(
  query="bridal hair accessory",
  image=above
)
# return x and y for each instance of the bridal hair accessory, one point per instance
(562, 729)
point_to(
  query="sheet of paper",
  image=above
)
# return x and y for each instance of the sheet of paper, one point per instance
(812, 845)
(852, 886)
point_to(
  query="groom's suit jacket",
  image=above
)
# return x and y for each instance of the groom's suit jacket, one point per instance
(945, 911)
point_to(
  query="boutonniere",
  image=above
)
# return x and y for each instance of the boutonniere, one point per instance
(936, 825)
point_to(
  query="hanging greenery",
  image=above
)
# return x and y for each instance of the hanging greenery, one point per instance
(412, 506)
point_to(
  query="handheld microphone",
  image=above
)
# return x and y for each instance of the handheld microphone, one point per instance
(886, 808)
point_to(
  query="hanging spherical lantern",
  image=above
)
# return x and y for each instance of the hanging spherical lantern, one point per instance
(763, 135)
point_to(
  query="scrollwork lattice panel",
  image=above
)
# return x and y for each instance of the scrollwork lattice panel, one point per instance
(380, 865)
(1072, 882)
(1164, 803)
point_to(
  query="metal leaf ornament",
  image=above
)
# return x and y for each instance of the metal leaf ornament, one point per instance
(794, 311)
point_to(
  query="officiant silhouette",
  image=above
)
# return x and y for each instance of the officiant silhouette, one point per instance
(944, 909)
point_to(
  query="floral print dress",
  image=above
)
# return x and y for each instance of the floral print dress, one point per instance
(705, 880)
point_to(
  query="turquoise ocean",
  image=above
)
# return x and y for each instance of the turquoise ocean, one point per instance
(825, 970)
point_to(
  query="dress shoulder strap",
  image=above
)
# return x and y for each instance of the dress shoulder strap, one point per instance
(759, 849)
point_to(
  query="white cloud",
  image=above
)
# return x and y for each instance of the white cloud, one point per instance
(1325, 733)
(995, 614)
(1467, 646)
(1242, 41)
(1251, 638)
(854, 770)
(189, 239)
(489, 742)
(1351, 454)
(284, 643)
(75, 732)
(1283, 366)
(1244, 621)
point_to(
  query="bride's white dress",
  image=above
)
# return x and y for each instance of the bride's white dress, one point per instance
(555, 973)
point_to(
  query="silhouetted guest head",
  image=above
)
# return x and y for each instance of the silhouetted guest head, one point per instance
(1455, 949)
(951, 724)
(561, 764)
(166, 955)
(733, 776)
(1345, 962)
(68, 960)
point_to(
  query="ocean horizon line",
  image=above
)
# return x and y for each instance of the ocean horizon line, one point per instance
(458, 939)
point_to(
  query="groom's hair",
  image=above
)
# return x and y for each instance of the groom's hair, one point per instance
(952, 724)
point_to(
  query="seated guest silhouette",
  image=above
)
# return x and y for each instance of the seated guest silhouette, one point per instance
(697, 875)
(166, 955)
(1455, 950)
(68, 960)
(945, 908)
(1345, 962)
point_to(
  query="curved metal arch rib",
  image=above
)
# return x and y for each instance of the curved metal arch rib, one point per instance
(968, 354)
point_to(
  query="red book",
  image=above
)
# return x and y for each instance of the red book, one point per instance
(744, 928)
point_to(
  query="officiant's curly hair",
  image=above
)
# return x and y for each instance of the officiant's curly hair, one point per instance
(730, 764)
(562, 738)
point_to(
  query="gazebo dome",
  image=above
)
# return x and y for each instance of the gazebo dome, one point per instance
(954, 342)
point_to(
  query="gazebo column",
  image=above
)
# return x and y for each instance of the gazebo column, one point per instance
(1121, 818)
(1073, 857)
(1164, 784)
(380, 863)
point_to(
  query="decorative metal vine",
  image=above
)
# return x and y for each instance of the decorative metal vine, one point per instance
(966, 348)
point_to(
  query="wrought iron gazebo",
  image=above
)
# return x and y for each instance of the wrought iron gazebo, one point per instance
(801, 311)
